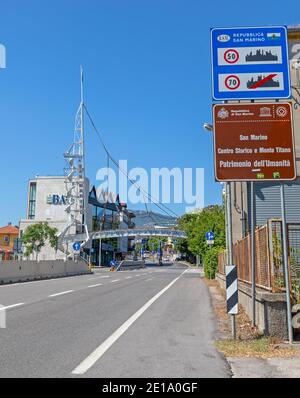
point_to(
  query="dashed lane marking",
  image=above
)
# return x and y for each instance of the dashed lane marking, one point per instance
(11, 306)
(97, 284)
(61, 293)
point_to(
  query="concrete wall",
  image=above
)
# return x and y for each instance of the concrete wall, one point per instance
(271, 315)
(130, 264)
(18, 271)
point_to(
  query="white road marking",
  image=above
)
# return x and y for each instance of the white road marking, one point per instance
(128, 277)
(137, 275)
(59, 294)
(87, 363)
(11, 306)
(147, 280)
(115, 280)
(97, 284)
(98, 277)
(42, 281)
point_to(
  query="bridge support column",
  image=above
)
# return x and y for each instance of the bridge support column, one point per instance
(100, 252)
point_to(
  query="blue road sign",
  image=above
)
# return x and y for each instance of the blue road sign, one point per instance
(76, 246)
(250, 63)
(210, 235)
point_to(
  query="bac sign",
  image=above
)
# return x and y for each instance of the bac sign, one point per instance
(250, 63)
(254, 141)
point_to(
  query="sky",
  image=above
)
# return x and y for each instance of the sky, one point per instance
(147, 84)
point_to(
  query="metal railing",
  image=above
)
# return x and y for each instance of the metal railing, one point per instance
(269, 258)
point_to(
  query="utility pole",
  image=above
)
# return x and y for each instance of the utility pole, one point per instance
(253, 273)
(285, 263)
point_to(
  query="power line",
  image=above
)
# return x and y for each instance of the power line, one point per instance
(153, 200)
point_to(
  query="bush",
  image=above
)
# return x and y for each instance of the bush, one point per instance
(211, 262)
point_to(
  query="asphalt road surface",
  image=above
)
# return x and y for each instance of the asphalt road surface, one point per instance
(153, 322)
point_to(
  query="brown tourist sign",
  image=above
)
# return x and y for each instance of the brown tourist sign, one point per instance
(254, 141)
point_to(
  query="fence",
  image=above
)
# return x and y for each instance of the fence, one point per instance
(268, 258)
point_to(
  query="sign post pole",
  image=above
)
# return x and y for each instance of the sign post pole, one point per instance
(229, 239)
(253, 274)
(285, 263)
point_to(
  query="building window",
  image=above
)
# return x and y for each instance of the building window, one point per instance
(6, 239)
(32, 200)
(95, 219)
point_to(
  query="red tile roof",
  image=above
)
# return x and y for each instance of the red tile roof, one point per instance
(9, 229)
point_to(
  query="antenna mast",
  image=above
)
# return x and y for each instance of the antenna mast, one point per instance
(75, 173)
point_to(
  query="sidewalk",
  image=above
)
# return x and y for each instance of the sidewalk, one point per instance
(280, 361)
(265, 368)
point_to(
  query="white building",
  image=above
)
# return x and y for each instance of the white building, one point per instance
(46, 202)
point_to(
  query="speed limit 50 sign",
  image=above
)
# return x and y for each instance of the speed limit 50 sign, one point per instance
(250, 63)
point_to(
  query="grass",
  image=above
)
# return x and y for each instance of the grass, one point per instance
(259, 347)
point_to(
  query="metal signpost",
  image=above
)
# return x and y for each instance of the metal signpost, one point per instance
(253, 273)
(252, 141)
(250, 63)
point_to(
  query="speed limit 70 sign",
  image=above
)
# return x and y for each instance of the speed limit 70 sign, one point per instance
(232, 82)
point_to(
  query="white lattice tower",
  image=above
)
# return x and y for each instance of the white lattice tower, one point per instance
(75, 177)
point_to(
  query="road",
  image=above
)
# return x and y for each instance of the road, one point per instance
(153, 322)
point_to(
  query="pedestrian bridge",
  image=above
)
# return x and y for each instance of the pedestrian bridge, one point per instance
(125, 233)
(142, 232)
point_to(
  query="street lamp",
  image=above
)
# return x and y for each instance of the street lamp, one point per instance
(208, 127)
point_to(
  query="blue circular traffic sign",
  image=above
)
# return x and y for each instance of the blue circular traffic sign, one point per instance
(76, 246)
(210, 235)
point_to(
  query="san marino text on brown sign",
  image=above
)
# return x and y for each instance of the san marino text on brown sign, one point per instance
(254, 141)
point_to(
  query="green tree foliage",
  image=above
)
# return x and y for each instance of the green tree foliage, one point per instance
(211, 262)
(211, 218)
(154, 243)
(36, 235)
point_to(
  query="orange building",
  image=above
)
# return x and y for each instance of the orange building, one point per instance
(7, 236)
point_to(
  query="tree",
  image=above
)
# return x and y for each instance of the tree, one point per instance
(36, 235)
(154, 243)
(211, 218)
